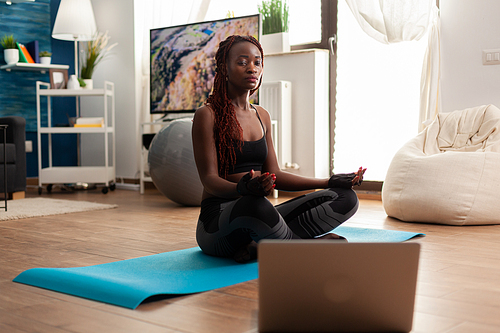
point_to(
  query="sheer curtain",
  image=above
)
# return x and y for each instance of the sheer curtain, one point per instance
(430, 86)
(380, 82)
(392, 21)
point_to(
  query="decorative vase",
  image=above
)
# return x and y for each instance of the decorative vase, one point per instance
(276, 43)
(73, 82)
(89, 84)
(11, 56)
(45, 60)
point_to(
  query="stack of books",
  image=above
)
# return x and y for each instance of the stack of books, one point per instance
(89, 122)
(29, 53)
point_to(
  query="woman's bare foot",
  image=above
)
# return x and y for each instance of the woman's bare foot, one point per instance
(333, 237)
(246, 254)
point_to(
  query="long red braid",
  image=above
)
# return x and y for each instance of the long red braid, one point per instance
(227, 130)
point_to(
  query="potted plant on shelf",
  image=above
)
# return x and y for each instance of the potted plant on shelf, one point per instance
(94, 53)
(10, 51)
(274, 26)
(45, 57)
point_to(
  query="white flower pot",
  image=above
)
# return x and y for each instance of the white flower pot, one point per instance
(275, 43)
(45, 60)
(11, 56)
(73, 83)
(89, 84)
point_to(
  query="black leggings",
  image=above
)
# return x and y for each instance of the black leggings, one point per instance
(226, 226)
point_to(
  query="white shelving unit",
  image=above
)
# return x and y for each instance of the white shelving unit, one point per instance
(74, 174)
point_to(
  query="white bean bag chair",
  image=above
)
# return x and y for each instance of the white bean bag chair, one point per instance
(450, 172)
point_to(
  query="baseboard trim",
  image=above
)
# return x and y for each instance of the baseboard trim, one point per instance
(33, 181)
(128, 186)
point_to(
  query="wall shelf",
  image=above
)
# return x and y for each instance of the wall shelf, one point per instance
(22, 66)
(75, 92)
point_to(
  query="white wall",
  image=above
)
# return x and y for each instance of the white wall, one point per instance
(116, 17)
(308, 72)
(467, 28)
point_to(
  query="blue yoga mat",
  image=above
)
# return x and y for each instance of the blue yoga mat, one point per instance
(128, 283)
(360, 235)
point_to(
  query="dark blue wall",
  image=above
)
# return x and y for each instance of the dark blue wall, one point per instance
(28, 22)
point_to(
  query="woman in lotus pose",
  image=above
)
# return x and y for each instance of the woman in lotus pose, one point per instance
(238, 168)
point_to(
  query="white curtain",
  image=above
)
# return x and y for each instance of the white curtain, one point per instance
(393, 21)
(430, 84)
(162, 13)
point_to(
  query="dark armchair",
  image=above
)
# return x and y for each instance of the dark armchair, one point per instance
(16, 156)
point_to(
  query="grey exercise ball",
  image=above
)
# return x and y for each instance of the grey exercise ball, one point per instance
(172, 166)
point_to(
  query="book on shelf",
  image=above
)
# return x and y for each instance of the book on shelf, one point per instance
(89, 122)
(22, 57)
(34, 50)
(27, 54)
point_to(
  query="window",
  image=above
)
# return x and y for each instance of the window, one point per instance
(377, 99)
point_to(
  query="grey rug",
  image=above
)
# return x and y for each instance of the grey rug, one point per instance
(35, 207)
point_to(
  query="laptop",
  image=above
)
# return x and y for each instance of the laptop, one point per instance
(328, 286)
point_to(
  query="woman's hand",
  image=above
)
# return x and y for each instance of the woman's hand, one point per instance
(259, 186)
(347, 180)
(359, 176)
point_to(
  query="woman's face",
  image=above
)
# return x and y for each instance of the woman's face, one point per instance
(244, 66)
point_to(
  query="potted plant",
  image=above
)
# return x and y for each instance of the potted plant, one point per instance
(45, 57)
(10, 51)
(94, 53)
(275, 26)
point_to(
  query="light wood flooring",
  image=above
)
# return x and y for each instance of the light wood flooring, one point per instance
(458, 283)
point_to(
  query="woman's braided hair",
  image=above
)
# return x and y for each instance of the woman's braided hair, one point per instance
(227, 130)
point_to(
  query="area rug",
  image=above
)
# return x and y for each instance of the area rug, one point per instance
(35, 207)
(128, 283)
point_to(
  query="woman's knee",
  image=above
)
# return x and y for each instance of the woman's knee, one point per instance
(346, 202)
(256, 207)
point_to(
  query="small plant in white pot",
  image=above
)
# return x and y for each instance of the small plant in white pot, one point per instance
(10, 51)
(274, 26)
(45, 57)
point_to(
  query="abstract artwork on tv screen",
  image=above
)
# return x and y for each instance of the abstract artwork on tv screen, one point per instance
(183, 61)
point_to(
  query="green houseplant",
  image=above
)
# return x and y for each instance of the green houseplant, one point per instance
(9, 42)
(274, 16)
(95, 51)
(45, 57)
(274, 26)
(10, 51)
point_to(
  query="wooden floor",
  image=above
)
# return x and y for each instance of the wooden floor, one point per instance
(458, 283)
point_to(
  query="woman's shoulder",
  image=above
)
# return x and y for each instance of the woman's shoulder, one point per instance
(204, 112)
(263, 113)
(205, 109)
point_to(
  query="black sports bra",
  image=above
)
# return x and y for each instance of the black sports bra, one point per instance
(253, 154)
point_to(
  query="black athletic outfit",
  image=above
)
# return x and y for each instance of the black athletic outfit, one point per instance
(226, 225)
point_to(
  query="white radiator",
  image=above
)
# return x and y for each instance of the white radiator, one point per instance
(276, 97)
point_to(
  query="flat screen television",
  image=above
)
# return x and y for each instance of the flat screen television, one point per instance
(183, 61)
